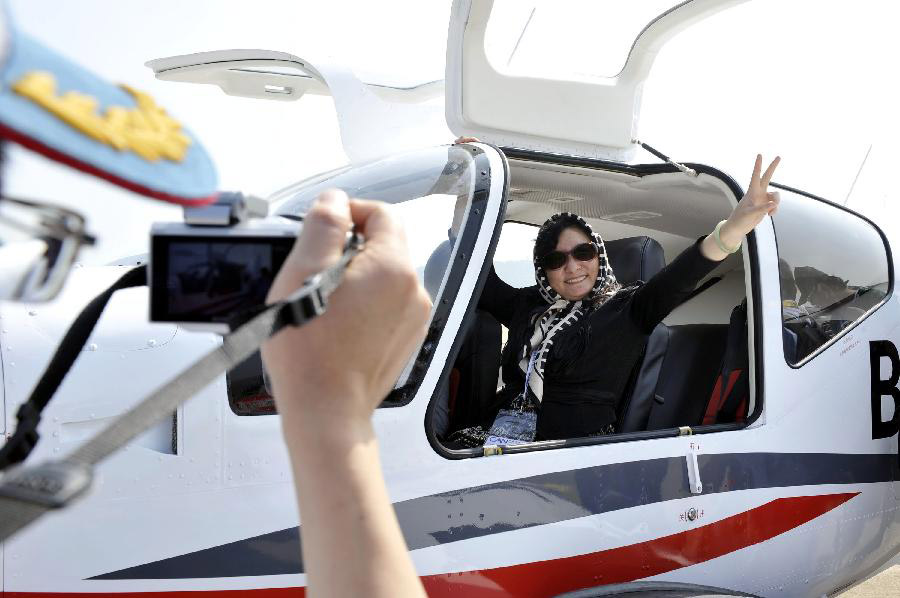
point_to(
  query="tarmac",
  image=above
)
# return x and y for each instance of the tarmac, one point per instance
(885, 584)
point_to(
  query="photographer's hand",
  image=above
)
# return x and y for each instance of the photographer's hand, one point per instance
(328, 376)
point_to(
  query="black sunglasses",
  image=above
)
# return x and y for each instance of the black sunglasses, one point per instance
(554, 260)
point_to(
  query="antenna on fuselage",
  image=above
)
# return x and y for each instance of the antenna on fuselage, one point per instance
(856, 178)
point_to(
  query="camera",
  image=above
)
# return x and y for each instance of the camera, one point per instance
(212, 270)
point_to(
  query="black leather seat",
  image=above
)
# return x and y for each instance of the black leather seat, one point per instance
(635, 258)
(473, 381)
(677, 375)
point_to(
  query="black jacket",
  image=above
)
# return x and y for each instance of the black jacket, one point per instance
(590, 362)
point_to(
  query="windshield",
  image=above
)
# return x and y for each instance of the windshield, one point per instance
(396, 179)
(429, 190)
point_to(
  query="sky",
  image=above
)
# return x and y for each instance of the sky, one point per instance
(811, 80)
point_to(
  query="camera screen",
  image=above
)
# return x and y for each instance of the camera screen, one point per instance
(213, 280)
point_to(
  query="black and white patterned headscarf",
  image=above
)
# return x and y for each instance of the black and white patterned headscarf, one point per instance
(606, 284)
(561, 313)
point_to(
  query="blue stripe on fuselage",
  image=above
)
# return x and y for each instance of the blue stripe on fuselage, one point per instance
(537, 500)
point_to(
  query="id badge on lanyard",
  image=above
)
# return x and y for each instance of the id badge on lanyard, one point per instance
(516, 426)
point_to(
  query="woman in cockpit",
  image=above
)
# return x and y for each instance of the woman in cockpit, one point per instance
(575, 337)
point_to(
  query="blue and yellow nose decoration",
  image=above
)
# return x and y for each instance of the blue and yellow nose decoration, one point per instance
(61, 110)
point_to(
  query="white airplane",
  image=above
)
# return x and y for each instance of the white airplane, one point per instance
(785, 482)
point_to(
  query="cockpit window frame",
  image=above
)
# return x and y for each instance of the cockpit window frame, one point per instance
(753, 292)
(465, 244)
(890, 268)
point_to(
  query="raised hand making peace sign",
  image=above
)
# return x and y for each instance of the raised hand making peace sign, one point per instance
(756, 203)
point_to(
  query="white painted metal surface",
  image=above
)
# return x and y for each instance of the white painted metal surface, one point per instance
(595, 117)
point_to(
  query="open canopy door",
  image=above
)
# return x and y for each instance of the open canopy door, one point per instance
(376, 119)
(535, 105)
(271, 75)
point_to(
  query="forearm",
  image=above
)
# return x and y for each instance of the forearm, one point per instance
(328, 377)
(730, 238)
(352, 545)
(672, 285)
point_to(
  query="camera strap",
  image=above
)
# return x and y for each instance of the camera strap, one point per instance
(27, 492)
(24, 439)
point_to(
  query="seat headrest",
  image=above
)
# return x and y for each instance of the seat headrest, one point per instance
(435, 268)
(635, 258)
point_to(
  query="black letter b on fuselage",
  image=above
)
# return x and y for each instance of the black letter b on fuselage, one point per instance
(877, 350)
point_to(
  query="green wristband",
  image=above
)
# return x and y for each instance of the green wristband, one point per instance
(718, 239)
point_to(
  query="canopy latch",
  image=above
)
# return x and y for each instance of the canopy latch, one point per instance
(693, 470)
(667, 159)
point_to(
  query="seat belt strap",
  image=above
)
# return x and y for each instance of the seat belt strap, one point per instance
(707, 284)
(23, 440)
(735, 367)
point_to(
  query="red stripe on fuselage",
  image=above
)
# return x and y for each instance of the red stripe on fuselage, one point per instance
(547, 578)
(637, 561)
